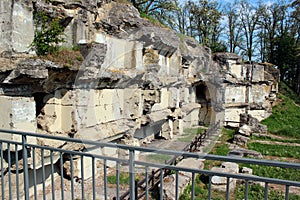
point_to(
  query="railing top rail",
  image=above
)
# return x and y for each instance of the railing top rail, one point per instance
(158, 151)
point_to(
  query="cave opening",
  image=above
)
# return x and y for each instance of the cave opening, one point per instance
(203, 98)
(39, 102)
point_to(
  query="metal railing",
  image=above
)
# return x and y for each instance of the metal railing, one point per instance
(31, 168)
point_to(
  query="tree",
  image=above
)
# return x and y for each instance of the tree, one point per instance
(48, 34)
(249, 18)
(233, 27)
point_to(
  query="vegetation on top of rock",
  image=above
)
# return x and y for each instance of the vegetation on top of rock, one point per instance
(68, 58)
(48, 34)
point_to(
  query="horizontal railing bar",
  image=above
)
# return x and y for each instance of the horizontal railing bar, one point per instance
(215, 173)
(179, 153)
(159, 151)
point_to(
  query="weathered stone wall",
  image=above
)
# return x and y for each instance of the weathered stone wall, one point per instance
(17, 29)
(248, 89)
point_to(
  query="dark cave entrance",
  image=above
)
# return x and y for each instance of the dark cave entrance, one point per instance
(203, 98)
(39, 102)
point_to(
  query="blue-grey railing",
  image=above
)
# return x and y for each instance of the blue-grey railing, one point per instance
(19, 176)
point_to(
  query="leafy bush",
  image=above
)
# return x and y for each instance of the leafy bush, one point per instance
(47, 35)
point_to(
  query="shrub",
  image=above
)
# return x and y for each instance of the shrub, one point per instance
(47, 35)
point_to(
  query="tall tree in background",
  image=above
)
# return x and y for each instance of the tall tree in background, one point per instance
(249, 17)
(271, 25)
(233, 27)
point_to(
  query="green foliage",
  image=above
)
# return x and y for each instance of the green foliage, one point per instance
(285, 118)
(47, 35)
(124, 179)
(276, 150)
(218, 47)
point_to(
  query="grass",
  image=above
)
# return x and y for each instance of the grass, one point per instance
(287, 91)
(285, 118)
(201, 191)
(256, 192)
(124, 179)
(275, 150)
(274, 172)
(221, 148)
(67, 57)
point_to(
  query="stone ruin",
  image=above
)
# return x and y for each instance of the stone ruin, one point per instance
(136, 78)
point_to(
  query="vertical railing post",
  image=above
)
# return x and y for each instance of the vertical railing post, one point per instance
(25, 168)
(131, 174)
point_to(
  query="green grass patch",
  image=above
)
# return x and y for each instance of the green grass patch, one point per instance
(256, 192)
(274, 172)
(275, 150)
(222, 148)
(286, 114)
(287, 91)
(285, 118)
(124, 179)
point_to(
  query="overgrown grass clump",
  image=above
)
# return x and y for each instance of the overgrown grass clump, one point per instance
(124, 179)
(285, 118)
(67, 57)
